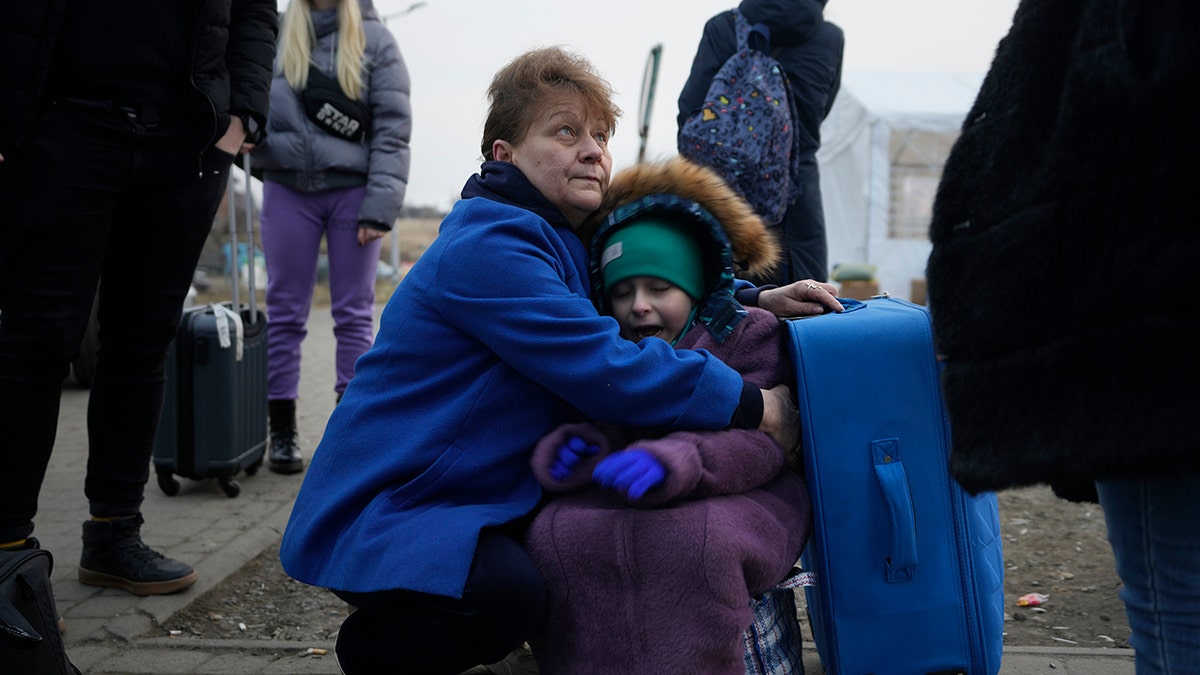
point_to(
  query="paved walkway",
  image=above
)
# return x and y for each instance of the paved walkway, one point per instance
(110, 631)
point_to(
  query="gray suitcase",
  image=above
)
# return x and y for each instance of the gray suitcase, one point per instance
(214, 422)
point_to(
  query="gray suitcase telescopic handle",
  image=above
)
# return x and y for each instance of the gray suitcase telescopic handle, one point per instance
(233, 243)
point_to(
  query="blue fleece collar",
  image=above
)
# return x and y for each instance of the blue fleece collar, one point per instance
(503, 182)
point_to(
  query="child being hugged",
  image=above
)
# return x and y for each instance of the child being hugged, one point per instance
(655, 542)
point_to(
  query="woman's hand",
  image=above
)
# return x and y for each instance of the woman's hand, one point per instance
(369, 234)
(802, 298)
(781, 418)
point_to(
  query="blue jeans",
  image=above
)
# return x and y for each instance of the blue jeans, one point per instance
(1152, 526)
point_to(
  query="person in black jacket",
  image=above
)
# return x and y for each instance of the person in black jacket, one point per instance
(117, 132)
(810, 50)
(1064, 292)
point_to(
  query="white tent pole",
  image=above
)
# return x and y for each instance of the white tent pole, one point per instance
(879, 169)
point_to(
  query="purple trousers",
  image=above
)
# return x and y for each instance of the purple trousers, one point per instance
(293, 224)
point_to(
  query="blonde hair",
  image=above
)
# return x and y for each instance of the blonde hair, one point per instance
(297, 37)
(523, 87)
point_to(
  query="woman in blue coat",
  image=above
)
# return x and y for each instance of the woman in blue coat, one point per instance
(416, 500)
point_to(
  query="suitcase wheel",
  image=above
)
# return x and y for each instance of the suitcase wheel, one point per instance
(253, 468)
(169, 485)
(231, 487)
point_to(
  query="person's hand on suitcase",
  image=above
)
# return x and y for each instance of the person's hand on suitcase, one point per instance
(631, 472)
(801, 298)
(570, 454)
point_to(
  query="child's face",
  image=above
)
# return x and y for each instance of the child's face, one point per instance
(650, 307)
(565, 156)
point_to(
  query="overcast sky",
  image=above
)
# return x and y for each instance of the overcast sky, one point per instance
(454, 47)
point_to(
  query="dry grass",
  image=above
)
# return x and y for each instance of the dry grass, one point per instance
(413, 235)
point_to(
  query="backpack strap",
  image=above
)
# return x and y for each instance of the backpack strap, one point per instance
(756, 37)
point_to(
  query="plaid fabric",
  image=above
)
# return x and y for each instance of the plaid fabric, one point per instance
(773, 641)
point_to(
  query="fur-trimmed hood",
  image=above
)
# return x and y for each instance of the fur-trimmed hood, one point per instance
(735, 238)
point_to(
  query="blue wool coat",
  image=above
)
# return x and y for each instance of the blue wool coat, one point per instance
(489, 343)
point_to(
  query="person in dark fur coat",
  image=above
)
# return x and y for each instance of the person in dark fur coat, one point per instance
(1064, 291)
(655, 543)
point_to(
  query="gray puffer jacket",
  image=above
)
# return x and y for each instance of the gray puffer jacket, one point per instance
(309, 159)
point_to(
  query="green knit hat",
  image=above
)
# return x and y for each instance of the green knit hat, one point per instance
(656, 248)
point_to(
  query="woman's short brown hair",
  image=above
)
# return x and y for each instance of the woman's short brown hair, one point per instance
(521, 90)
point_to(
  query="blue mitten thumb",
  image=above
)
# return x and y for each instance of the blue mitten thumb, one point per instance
(570, 454)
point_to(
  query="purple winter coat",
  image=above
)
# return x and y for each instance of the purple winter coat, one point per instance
(663, 585)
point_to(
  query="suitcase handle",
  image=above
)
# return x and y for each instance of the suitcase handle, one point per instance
(233, 242)
(901, 562)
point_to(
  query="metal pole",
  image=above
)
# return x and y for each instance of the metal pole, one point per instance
(396, 251)
(407, 10)
(395, 225)
(649, 83)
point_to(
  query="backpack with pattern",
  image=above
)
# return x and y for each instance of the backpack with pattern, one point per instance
(744, 129)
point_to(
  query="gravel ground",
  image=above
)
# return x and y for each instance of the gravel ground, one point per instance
(1052, 547)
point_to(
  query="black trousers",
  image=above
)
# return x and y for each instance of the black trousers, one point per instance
(502, 606)
(112, 197)
(801, 234)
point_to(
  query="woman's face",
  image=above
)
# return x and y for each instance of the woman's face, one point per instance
(565, 155)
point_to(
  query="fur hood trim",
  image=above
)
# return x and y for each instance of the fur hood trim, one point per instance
(755, 250)
(732, 235)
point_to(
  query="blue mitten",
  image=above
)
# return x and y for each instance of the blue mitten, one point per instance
(570, 454)
(631, 472)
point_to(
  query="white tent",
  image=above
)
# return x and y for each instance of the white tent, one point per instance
(883, 147)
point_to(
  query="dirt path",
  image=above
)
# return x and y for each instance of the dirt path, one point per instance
(1052, 547)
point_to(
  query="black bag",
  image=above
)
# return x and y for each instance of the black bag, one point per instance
(29, 637)
(330, 109)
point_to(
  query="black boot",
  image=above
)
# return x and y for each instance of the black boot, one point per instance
(284, 454)
(114, 556)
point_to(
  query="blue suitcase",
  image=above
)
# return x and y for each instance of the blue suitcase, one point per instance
(908, 566)
(214, 421)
